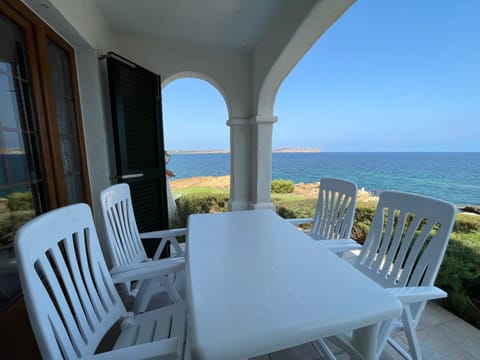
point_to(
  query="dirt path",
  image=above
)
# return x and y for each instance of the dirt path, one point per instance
(215, 182)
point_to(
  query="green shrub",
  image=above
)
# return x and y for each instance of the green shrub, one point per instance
(20, 201)
(459, 276)
(282, 186)
(359, 232)
(198, 204)
(292, 209)
(363, 219)
(9, 224)
(364, 213)
(466, 223)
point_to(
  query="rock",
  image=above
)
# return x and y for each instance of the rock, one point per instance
(471, 209)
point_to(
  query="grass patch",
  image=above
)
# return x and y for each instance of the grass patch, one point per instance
(202, 191)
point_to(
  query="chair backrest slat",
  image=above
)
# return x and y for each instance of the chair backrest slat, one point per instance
(124, 243)
(67, 331)
(407, 240)
(71, 299)
(91, 313)
(335, 211)
(401, 246)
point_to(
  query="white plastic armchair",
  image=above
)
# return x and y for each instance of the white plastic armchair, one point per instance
(72, 301)
(403, 252)
(126, 251)
(334, 215)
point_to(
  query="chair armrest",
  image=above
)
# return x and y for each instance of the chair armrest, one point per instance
(341, 245)
(166, 235)
(147, 270)
(302, 221)
(165, 349)
(412, 294)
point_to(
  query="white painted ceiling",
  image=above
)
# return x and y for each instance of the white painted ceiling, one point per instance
(234, 24)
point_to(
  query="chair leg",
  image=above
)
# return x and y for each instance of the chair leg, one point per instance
(399, 349)
(410, 332)
(322, 348)
(144, 296)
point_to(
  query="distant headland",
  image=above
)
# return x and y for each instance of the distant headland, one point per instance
(282, 150)
(297, 150)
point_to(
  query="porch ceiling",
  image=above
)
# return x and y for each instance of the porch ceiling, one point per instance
(232, 24)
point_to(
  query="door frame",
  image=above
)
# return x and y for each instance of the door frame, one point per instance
(45, 103)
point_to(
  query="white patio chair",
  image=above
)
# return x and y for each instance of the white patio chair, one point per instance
(126, 251)
(403, 252)
(73, 305)
(334, 215)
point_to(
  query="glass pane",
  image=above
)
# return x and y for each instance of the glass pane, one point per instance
(74, 188)
(59, 64)
(70, 155)
(65, 116)
(11, 140)
(8, 102)
(12, 51)
(13, 170)
(22, 193)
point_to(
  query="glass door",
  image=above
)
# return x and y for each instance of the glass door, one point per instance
(42, 151)
(22, 185)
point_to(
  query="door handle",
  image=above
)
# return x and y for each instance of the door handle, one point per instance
(124, 177)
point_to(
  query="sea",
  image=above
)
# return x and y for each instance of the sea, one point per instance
(452, 176)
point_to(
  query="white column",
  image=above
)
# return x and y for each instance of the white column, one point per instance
(240, 170)
(262, 162)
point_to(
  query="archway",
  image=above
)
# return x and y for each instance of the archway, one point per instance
(196, 136)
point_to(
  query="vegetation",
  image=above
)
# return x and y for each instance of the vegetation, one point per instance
(199, 203)
(460, 271)
(20, 201)
(282, 186)
(15, 210)
(459, 274)
(9, 223)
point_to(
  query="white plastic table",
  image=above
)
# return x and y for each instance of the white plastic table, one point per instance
(255, 284)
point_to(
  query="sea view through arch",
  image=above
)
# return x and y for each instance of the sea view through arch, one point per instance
(451, 176)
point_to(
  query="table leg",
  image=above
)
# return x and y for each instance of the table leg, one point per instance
(365, 341)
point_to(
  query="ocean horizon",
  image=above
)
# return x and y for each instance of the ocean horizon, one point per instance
(451, 176)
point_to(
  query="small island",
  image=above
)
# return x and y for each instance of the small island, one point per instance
(176, 152)
(281, 150)
(297, 150)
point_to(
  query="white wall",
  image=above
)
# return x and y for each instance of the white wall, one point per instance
(228, 70)
(82, 16)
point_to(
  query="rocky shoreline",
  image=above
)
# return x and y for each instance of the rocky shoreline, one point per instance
(470, 209)
(305, 189)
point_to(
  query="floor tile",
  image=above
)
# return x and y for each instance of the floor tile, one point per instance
(434, 314)
(262, 357)
(301, 352)
(452, 340)
(442, 336)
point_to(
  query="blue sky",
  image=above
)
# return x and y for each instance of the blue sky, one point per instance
(387, 76)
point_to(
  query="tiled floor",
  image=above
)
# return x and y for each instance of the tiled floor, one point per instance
(442, 335)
